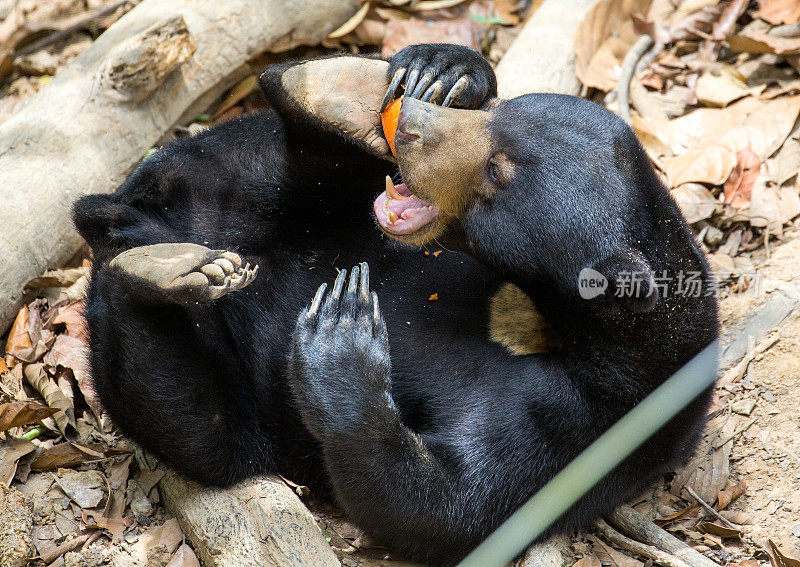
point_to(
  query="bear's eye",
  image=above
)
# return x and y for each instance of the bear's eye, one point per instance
(493, 172)
(500, 169)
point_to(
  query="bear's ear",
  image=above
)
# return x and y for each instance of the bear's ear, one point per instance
(630, 280)
(343, 93)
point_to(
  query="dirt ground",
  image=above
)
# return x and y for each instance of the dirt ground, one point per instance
(767, 454)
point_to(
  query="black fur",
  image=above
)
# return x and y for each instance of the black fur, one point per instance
(431, 451)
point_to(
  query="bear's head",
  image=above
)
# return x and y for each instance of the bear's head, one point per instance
(543, 186)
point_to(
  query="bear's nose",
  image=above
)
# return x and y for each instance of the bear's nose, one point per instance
(406, 124)
(415, 120)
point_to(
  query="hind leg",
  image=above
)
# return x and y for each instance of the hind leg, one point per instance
(183, 375)
(181, 272)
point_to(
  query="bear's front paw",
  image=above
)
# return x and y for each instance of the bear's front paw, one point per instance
(340, 357)
(450, 75)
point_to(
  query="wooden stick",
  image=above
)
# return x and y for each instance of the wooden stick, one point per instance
(735, 434)
(710, 509)
(647, 551)
(636, 52)
(634, 525)
(737, 372)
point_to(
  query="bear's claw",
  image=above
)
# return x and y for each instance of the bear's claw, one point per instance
(450, 76)
(357, 303)
(233, 278)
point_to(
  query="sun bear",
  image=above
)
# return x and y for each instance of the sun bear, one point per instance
(263, 301)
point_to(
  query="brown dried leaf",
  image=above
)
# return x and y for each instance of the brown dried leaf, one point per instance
(86, 488)
(779, 12)
(58, 278)
(652, 80)
(677, 515)
(588, 561)
(738, 187)
(761, 42)
(695, 201)
(148, 479)
(773, 207)
(14, 414)
(37, 377)
(718, 529)
(651, 134)
(71, 315)
(402, 33)
(610, 556)
(40, 335)
(184, 557)
(707, 473)
(168, 535)
(18, 338)
(785, 163)
(738, 517)
(73, 353)
(603, 38)
(720, 87)
(11, 451)
(779, 557)
(727, 496)
(94, 519)
(65, 455)
(760, 125)
(112, 518)
(713, 136)
(709, 164)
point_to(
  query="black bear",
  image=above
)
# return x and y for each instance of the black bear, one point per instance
(424, 426)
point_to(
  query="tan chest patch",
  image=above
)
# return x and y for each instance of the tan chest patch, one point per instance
(515, 323)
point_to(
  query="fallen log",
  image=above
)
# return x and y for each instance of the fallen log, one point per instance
(260, 522)
(542, 58)
(85, 130)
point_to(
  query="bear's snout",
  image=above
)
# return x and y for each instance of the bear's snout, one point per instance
(416, 121)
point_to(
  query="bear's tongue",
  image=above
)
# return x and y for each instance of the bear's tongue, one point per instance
(400, 212)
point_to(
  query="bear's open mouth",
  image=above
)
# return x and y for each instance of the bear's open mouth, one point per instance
(400, 212)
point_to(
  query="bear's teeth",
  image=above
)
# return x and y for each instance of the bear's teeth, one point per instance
(391, 191)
